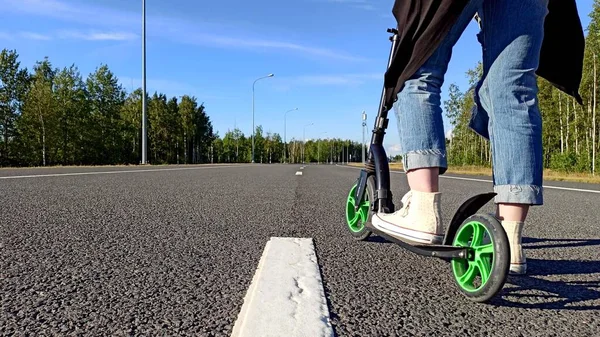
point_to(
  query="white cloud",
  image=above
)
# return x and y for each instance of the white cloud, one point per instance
(285, 84)
(328, 80)
(350, 2)
(360, 4)
(336, 79)
(35, 36)
(71, 34)
(37, 6)
(24, 35)
(348, 79)
(217, 40)
(449, 134)
(57, 9)
(97, 36)
(365, 7)
(393, 150)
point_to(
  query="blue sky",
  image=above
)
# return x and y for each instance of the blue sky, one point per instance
(328, 56)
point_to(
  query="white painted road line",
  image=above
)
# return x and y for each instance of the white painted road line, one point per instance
(571, 189)
(490, 181)
(116, 172)
(286, 296)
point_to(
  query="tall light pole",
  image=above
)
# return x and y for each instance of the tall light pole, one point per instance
(144, 126)
(270, 75)
(304, 139)
(364, 125)
(348, 153)
(284, 132)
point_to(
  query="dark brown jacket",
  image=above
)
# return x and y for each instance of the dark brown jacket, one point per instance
(423, 24)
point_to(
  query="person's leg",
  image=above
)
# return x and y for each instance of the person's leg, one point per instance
(512, 212)
(422, 141)
(424, 179)
(512, 35)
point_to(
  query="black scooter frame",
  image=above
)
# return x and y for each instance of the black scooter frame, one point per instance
(377, 164)
(376, 161)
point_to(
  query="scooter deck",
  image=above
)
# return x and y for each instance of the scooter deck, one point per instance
(440, 251)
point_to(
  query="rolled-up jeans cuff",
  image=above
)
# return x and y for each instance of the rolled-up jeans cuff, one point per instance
(519, 194)
(425, 158)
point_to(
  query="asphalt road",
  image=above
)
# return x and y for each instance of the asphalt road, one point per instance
(172, 252)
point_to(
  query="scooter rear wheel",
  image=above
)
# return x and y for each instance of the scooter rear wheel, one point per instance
(356, 220)
(483, 273)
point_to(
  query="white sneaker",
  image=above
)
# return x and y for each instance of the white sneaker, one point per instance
(419, 220)
(518, 261)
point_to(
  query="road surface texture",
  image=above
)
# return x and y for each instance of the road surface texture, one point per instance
(173, 252)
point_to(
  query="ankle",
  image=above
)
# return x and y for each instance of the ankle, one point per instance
(514, 231)
(512, 212)
(423, 179)
(513, 228)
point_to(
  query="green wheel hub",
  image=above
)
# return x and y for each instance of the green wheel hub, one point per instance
(473, 273)
(356, 220)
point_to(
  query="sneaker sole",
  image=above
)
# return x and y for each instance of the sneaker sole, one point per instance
(406, 234)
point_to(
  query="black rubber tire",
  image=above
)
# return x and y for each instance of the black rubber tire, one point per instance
(364, 233)
(500, 261)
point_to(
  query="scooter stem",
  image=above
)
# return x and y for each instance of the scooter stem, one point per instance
(381, 121)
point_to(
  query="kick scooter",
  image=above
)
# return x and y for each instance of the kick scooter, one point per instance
(475, 244)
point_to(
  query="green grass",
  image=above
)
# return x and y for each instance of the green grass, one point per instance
(487, 171)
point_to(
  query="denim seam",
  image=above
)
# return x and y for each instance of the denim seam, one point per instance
(425, 158)
(521, 194)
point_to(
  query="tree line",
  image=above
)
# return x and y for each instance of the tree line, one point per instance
(51, 116)
(569, 131)
(235, 147)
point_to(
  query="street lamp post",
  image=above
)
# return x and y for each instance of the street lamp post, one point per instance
(270, 75)
(331, 152)
(348, 153)
(284, 135)
(364, 125)
(144, 127)
(304, 140)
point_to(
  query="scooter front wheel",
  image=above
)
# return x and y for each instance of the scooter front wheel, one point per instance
(483, 273)
(356, 220)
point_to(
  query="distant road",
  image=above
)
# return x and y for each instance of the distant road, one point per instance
(173, 250)
(38, 172)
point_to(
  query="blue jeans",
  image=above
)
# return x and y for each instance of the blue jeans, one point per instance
(506, 113)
